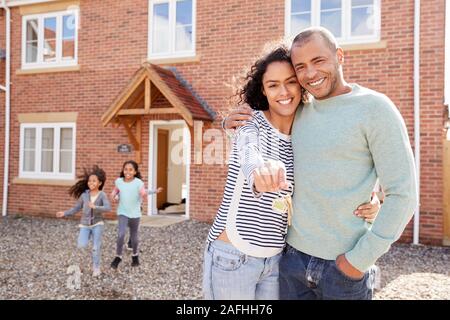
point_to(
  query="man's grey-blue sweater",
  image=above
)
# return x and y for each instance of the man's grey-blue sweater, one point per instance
(341, 146)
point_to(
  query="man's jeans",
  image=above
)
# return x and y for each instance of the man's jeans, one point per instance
(83, 241)
(229, 274)
(306, 277)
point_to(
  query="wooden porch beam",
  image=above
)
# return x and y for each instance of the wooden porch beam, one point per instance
(163, 111)
(130, 134)
(138, 101)
(131, 112)
(118, 103)
(147, 91)
(171, 97)
(139, 139)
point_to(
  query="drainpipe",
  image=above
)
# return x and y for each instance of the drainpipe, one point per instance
(447, 64)
(417, 114)
(7, 89)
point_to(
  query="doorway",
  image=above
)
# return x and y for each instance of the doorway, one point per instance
(169, 158)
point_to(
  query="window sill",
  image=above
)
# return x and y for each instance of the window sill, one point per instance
(46, 182)
(174, 60)
(48, 70)
(365, 46)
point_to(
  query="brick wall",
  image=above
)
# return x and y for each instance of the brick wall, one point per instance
(113, 43)
(432, 114)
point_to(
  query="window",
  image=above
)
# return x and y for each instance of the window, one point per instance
(351, 21)
(50, 39)
(171, 28)
(47, 150)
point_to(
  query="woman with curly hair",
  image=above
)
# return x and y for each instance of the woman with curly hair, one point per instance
(93, 202)
(246, 240)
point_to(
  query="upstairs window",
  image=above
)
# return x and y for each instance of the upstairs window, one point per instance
(50, 40)
(351, 21)
(172, 28)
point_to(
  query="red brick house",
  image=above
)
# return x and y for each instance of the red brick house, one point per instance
(99, 82)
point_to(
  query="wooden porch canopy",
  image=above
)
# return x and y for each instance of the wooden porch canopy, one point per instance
(138, 97)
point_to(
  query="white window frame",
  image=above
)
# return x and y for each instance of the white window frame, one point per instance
(59, 18)
(346, 37)
(172, 31)
(37, 174)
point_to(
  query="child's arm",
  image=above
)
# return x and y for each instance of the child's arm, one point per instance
(71, 211)
(142, 192)
(115, 194)
(155, 191)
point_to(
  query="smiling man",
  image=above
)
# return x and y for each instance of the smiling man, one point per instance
(343, 140)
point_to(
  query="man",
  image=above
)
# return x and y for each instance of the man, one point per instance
(345, 138)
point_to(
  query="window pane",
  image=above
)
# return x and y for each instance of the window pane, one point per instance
(66, 139)
(29, 149)
(66, 149)
(184, 12)
(330, 4)
(362, 3)
(332, 21)
(300, 5)
(69, 26)
(47, 138)
(68, 49)
(65, 162)
(49, 39)
(31, 55)
(300, 22)
(28, 160)
(183, 38)
(363, 21)
(30, 138)
(32, 30)
(32, 41)
(47, 150)
(160, 38)
(68, 45)
(65, 154)
(47, 161)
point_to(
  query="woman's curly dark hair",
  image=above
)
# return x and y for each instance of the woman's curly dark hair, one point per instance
(251, 91)
(135, 166)
(82, 185)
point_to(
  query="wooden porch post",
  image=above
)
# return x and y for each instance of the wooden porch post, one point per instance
(136, 140)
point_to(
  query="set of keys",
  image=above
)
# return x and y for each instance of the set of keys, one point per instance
(283, 205)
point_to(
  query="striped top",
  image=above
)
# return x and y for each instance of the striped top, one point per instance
(252, 225)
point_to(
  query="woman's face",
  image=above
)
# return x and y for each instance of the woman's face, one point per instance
(281, 88)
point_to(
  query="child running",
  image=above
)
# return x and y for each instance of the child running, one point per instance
(130, 191)
(93, 202)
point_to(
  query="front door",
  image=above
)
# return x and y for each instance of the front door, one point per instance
(162, 166)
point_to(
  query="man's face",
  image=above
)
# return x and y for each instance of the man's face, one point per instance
(317, 68)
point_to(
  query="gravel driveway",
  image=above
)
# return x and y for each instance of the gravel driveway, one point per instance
(36, 253)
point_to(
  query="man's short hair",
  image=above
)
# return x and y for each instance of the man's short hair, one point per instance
(307, 34)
